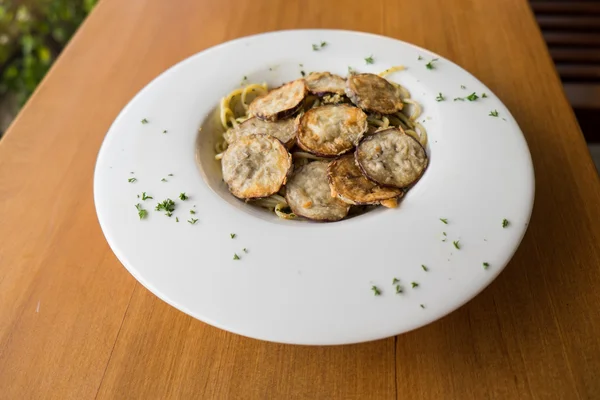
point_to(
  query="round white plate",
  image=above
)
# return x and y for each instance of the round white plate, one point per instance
(303, 282)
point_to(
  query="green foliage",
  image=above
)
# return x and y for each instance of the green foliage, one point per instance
(32, 35)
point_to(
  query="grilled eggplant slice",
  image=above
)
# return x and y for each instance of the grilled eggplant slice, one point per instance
(320, 83)
(279, 103)
(283, 130)
(331, 130)
(256, 166)
(308, 194)
(391, 158)
(348, 183)
(373, 93)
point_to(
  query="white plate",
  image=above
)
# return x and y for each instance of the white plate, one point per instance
(303, 282)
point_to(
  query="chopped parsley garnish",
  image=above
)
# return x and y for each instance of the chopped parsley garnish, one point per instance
(168, 206)
(424, 268)
(232, 235)
(440, 97)
(192, 212)
(176, 219)
(235, 256)
(369, 60)
(444, 220)
(459, 99)
(170, 175)
(316, 47)
(131, 180)
(163, 180)
(398, 289)
(493, 113)
(429, 65)
(141, 212)
(303, 73)
(486, 265)
(301, 65)
(165, 131)
(483, 95)
(419, 58)
(145, 196)
(350, 70)
(422, 306)
(183, 196)
(193, 220)
(472, 97)
(376, 290)
(463, 87)
(504, 223)
(395, 280)
(245, 250)
(456, 244)
(414, 284)
(144, 121)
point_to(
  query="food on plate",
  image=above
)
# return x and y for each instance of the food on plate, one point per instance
(256, 166)
(373, 93)
(323, 147)
(331, 130)
(281, 102)
(284, 130)
(321, 83)
(390, 157)
(308, 194)
(348, 183)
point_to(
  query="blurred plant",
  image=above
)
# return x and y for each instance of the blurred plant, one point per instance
(32, 35)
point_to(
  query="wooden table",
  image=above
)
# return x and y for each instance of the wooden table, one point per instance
(75, 325)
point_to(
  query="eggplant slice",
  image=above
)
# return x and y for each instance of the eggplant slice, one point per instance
(373, 93)
(256, 166)
(320, 83)
(348, 183)
(308, 194)
(279, 103)
(283, 130)
(391, 158)
(331, 130)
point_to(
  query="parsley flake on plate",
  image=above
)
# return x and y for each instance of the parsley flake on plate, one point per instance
(376, 290)
(141, 212)
(440, 97)
(472, 97)
(493, 113)
(369, 60)
(429, 65)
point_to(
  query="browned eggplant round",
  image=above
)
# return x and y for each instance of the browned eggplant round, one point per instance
(279, 103)
(284, 130)
(256, 166)
(373, 93)
(391, 158)
(331, 130)
(320, 83)
(348, 183)
(308, 194)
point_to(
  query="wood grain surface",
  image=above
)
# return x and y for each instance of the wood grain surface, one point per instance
(75, 325)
